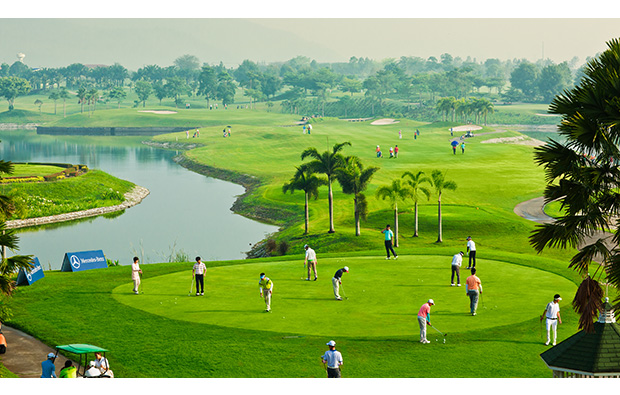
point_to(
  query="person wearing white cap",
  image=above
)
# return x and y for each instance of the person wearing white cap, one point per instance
(48, 370)
(310, 261)
(552, 313)
(333, 359)
(337, 280)
(424, 316)
(471, 249)
(457, 260)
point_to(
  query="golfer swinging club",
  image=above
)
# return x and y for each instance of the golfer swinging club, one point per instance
(424, 316)
(310, 261)
(337, 280)
(266, 289)
(552, 312)
(333, 359)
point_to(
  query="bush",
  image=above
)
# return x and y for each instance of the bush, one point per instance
(270, 246)
(283, 247)
(112, 263)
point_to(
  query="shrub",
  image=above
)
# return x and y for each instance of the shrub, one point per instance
(283, 247)
(270, 246)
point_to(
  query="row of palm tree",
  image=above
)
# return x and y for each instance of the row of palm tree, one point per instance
(354, 179)
(452, 108)
(412, 186)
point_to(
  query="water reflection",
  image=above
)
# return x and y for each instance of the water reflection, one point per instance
(185, 212)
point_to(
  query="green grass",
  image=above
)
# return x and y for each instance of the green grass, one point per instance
(93, 189)
(377, 333)
(26, 170)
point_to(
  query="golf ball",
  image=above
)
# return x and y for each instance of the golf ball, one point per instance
(283, 317)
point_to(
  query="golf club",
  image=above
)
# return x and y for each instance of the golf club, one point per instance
(444, 334)
(141, 286)
(343, 293)
(191, 287)
(482, 300)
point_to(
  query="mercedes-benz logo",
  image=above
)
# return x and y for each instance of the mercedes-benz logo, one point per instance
(29, 277)
(75, 262)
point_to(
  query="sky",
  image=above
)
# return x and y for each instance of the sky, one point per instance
(276, 31)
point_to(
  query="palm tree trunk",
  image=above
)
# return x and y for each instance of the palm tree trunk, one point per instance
(439, 237)
(331, 207)
(415, 233)
(357, 218)
(395, 225)
(64, 109)
(307, 215)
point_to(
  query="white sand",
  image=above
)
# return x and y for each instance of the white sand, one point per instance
(523, 140)
(384, 121)
(159, 112)
(465, 128)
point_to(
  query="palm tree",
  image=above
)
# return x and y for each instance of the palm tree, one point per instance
(354, 180)
(395, 192)
(327, 163)
(305, 180)
(54, 95)
(582, 173)
(415, 182)
(440, 184)
(81, 94)
(64, 95)
(39, 103)
(8, 239)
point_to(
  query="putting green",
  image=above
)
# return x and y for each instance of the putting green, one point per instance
(384, 296)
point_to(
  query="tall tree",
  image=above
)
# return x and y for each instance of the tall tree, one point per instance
(416, 183)
(12, 87)
(63, 94)
(207, 83)
(54, 95)
(395, 192)
(305, 180)
(582, 174)
(354, 180)
(440, 184)
(327, 163)
(143, 89)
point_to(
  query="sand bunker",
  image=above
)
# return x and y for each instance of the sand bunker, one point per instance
(384, 121)
(159, 112)
(523, 140)
(465, 128)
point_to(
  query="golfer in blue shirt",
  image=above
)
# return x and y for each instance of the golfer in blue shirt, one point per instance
(389, 241)
(48, 370)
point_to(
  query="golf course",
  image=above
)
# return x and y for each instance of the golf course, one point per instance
(221, 333)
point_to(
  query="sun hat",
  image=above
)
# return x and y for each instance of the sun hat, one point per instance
(557, 297)
(51, 355)
(305, 245)
(331, 343)
(462, 253)
(346, 269)
(468, 237)
(431, 301)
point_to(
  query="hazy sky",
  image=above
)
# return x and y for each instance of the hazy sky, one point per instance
(214, 34)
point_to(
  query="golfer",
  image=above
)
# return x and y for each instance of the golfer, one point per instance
(198, 272)
(424, 316)
(266, 289)
(389, 241)
(310, 261)
(552, 313)
(135, 274)
(457, 260)
(473, 289)
(337, 280)
(333, 359)
(471, 249)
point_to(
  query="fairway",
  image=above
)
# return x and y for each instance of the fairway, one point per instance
(384, 296)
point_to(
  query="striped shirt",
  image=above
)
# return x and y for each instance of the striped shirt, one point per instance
(200, 268)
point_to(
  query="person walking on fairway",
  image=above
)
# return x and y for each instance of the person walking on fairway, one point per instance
(463, 147)
(424, 317)
(198, 272)
(135, 274)
(473, 289)
(266, 289)
(471, 252)
(389, 241)
(457, 260)
(552, 313)
(310, 261)
(333, 359)
(337, 280)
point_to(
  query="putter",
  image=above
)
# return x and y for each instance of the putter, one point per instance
(482, 300)
(343, 293)
(141, 287)
(191, 287)
(444, 334)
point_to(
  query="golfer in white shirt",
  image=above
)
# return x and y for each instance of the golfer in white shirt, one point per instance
(457, 260)
(552, 315)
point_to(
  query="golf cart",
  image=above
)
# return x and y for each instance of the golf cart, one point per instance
(82, 350)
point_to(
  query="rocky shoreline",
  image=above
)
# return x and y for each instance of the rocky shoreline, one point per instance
(132, 198)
